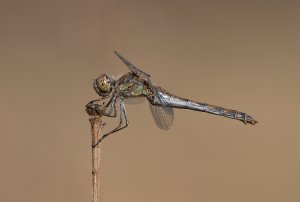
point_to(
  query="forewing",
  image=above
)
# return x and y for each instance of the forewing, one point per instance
(163, 116)
(132, 67)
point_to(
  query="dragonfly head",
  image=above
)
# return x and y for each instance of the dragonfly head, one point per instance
(103, 85)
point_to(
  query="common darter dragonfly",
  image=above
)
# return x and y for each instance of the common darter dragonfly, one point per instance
(136, 84)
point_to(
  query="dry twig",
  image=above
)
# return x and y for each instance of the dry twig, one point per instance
(96, 131)
(96, 125)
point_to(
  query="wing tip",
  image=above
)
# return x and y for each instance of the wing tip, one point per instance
(118, 54)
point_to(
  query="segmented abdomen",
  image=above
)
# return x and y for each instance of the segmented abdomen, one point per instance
(164, 98)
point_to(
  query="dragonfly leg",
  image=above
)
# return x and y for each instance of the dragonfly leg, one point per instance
(93, 107)
(112, 108)
(119, 127)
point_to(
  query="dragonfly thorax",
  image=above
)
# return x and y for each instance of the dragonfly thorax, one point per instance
(103, 85)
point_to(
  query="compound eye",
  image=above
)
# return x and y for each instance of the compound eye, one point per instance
(104, 85)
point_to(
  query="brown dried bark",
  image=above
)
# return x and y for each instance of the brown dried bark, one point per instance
(96, 126)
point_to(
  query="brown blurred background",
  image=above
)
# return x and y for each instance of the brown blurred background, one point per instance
(239, 54)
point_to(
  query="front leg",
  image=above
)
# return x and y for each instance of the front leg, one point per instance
(112, 108)
(96, 107)
(119, 127)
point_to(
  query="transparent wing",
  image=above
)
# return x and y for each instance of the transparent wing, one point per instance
(135, 100)
(163, 116)
(132, 67)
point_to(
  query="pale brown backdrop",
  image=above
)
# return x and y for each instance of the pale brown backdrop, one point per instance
(238, 54)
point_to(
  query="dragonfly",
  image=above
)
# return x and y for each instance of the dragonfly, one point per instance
(136, 85)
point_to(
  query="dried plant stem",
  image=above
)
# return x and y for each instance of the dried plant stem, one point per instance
(96, 126)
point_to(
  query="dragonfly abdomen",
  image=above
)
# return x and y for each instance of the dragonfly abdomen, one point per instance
(169, 100)
(229, 113)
